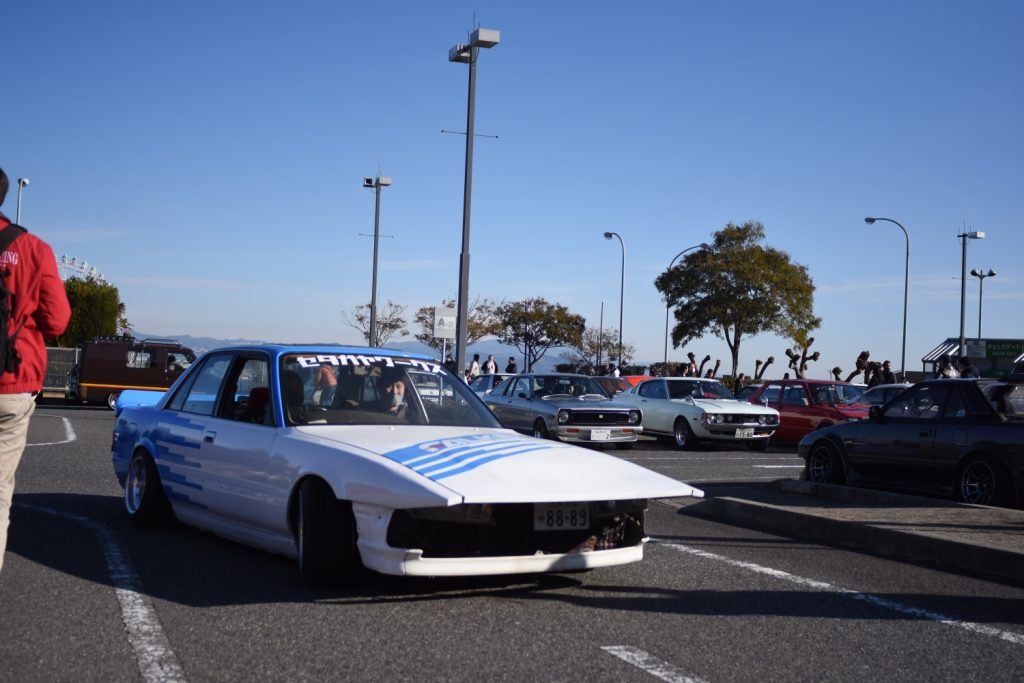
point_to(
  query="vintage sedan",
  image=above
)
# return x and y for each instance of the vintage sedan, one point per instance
(565, 407)
(401, 469)
(690, 409)
(805, 405)
(957, 437)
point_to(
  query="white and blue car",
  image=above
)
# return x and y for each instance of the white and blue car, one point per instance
(347, 458)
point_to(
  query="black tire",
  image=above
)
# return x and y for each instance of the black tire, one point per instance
(760, 445)
(683, 436)
(981, 480)
(625, 445)
(144, 497)
(824, 465)
(325, 535)
(540, 429)
(112, 400)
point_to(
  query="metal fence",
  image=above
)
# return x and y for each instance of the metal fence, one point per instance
(58, 364)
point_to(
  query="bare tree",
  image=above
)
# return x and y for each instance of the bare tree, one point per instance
(390, 322)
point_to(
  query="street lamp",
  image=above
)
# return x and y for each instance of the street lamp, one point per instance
(375, 185)
(964, 236)
(668, 304)
(981, 288)
(467, 54)
(22, 183)
(622, 286)
(906, 281)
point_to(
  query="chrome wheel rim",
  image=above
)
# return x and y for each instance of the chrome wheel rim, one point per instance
(135, 486)
(680, 433)
(112, 401)
(977, 483)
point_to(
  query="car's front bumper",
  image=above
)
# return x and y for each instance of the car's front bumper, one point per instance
(728, 432)
(598, 435)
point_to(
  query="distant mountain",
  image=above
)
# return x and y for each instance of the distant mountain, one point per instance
(500, 351)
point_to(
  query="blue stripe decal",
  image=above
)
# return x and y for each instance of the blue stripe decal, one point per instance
(443, 458)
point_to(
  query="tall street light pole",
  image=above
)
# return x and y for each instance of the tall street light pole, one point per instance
(467, 54)
(964, 236)
(906, 281)
(22, 183)
(668, 304)
(375, 185)
(622, 286)
(981, 291)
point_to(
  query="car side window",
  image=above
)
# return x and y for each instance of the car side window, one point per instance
(653, 389)
(955, 407)
(247, 392)
(521, 389)
(201, 396)
(771, 393)
(795, 396)
(920, 403)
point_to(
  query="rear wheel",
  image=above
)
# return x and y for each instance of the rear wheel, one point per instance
(144, 497)
(824, 465)
(326, 535)
(112, 401)
(683, 435)
(981, 480)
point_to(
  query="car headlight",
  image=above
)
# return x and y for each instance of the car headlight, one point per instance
(563, 417)
(634, 417)
(719, 419)
(762, 419)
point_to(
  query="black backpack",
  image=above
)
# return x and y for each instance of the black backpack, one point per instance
(9, 358)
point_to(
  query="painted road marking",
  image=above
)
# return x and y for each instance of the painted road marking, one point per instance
(776, 467)
(69, 434)
(651, 664)
(156, 660)
(981, 629)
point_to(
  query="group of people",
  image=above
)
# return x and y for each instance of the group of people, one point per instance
(965, 367)
(488, 367)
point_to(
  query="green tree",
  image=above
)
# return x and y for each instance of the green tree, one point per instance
(737, 288)
(96, 310)
(390, 322)
(482, 323)
(596, 347)
(533, 326)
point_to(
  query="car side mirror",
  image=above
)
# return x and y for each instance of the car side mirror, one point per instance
(521, 395)
(764, 401)
(875, 412)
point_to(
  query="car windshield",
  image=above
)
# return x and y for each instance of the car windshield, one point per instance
(1007, 399)
(566, 385)
(613, 385)
(351, 389)
(698, 389)
(837, 394)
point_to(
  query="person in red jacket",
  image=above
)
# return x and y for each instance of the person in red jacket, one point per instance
(41, 309)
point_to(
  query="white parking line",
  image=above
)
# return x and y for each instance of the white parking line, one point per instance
(776, 467)
(153, 653)
(69, 434)
(651, 664)
(981, 629)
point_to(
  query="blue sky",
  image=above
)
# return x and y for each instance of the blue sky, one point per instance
(208, 157)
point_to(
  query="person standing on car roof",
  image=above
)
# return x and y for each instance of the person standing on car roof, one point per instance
(886, 375)
(967, 368)
(39, 309)
(945, 369)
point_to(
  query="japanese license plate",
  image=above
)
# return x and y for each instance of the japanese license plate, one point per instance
(600, 434)
(745, 433)
(555, 516)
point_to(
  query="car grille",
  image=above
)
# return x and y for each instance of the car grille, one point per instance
(509, 531)
(598, 417)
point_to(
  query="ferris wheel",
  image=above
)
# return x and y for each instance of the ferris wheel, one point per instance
(72, 267)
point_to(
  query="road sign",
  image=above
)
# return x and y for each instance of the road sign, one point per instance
(444, 323)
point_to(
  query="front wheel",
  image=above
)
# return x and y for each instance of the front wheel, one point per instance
(824, 465)
(326, 535)
(144, 497)
(684, 436)
(981, 480)
(540, 429)
(112, 401)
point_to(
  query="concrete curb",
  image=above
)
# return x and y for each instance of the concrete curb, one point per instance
(908, 545)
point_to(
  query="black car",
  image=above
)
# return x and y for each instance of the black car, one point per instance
(958, 437)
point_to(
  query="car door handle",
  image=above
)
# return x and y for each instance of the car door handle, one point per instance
(208, 437)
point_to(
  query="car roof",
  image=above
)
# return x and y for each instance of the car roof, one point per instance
(278, 350)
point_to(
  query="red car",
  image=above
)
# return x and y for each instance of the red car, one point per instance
(806, 405)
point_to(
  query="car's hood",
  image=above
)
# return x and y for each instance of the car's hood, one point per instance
(502, 466)
(583, 403)
(727, 405)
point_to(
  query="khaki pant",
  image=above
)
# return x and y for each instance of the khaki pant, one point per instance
(15, 411)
